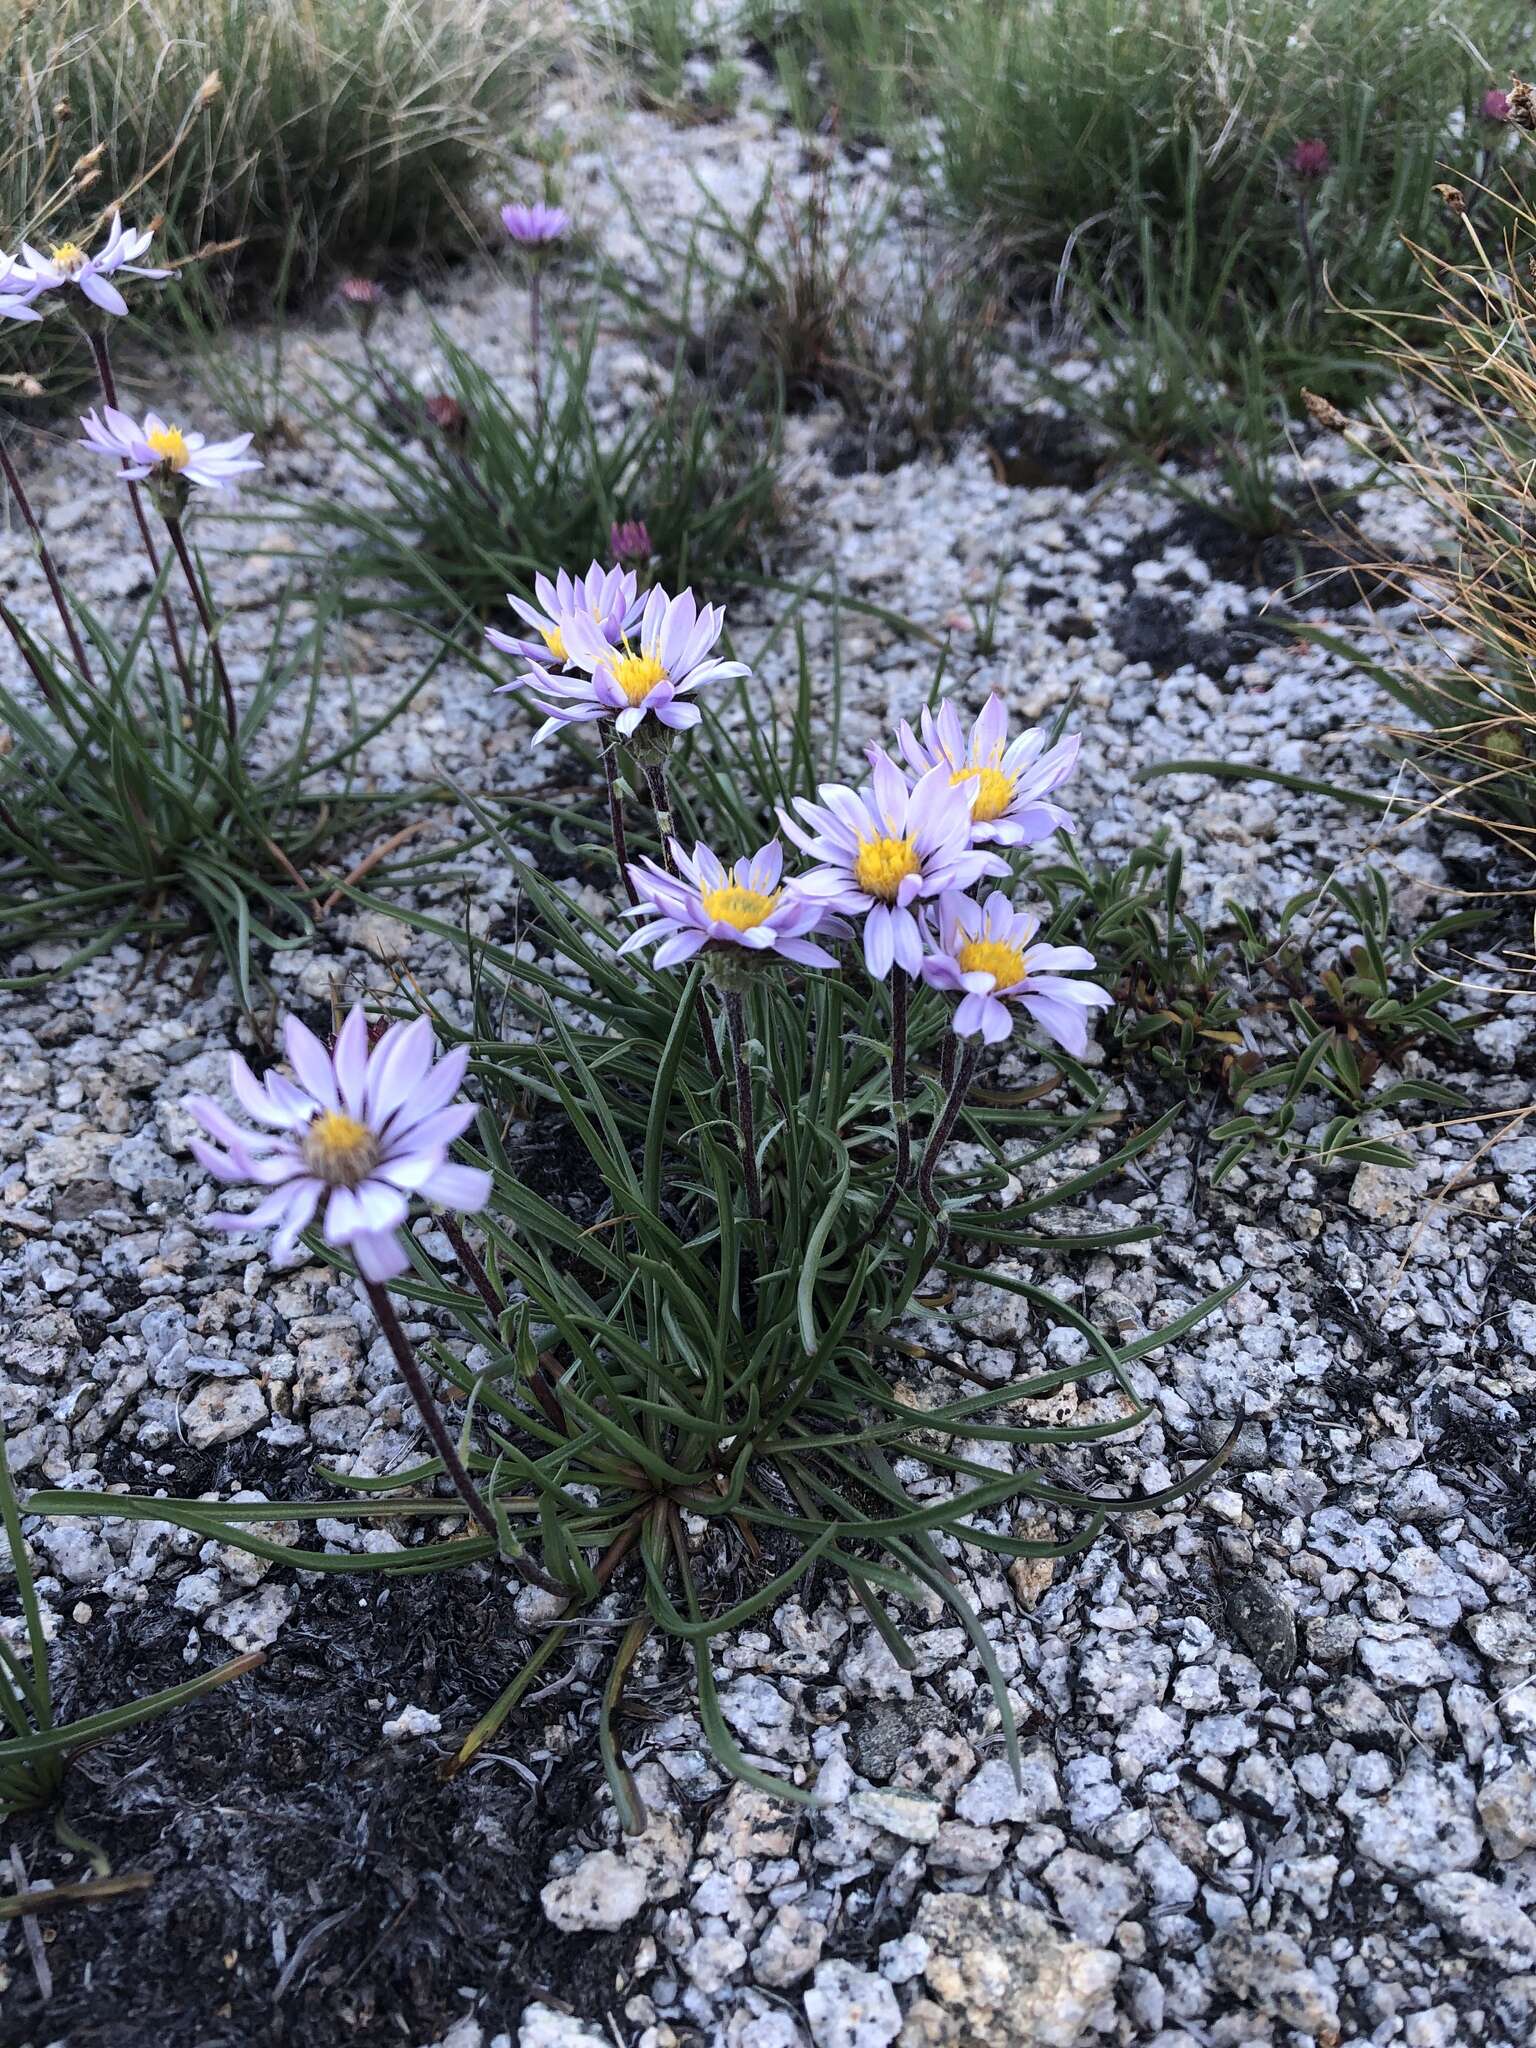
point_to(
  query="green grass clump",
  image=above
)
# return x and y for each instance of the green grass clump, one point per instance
(1139, 143)
(1136, 161)
(313, 132)
(472, 492)
(860, 68)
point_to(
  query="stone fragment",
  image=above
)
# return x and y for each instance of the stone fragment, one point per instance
(222, 1411)
(1006, 1977)
(851, 2008)
(1270, 1971)
(601, 1893)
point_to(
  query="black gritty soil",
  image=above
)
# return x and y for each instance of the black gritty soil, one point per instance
(314, 1883)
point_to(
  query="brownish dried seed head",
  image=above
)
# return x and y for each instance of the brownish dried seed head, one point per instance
(1452, 197)
(210, 88)
(1325, 412)
(1522, 104)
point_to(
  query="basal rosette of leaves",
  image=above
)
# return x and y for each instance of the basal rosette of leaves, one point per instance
(675, 1413)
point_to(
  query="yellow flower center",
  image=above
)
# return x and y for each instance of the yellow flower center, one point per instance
(637, 675)
(883, 865)
(170, 444)
(339, 1150)
(1004, 963)
(554, 640)
(733, 905)
(994, 792)
(68, 256)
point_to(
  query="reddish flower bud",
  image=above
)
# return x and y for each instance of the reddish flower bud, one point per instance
(1309, 160)
(629, 540)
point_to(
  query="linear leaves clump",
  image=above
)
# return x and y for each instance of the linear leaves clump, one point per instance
(686, 1404)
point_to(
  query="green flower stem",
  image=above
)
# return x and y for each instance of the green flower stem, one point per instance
(50, 567)
(535, 343)
(736, 1021)
(184, 556)
(616, 817)
(661, 802)
(1309, 252)
(98, 341)
(442, 1438)
(944, 1125)
(543, 1387)
(902, 1170)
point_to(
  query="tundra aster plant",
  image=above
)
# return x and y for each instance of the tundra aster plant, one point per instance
(128, 808)
(681, 1389)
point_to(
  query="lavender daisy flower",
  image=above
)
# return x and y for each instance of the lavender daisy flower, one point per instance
(531, 227)
(18, 288)
(746, 908)
(987, 956)
(883, 851)
(625, 683)
(158, 447)
(360, 1134)
(68, 263)
(606, 596)
(1012, 779)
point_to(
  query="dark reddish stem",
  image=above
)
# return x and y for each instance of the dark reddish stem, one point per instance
(438, 1430)
(98, 343)
(50, 567)
(189, 570)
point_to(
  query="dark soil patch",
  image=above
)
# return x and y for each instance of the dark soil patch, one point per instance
(1319, 561)
(313, 1884)
(1156, 629)
(1034, 450)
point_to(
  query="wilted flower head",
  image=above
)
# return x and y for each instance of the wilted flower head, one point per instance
(884, 849)
(363, 299)
(606, 596)
(629, 540)
(18, 289)
(159, 449)
(746, 908)
(1310, 160)
(358, 1136)
(986, 954)
(650, 671)
(531, 227)
(445, 413)
(68, 263)
(1011, 780)
(1495, 104)
(1522, 104)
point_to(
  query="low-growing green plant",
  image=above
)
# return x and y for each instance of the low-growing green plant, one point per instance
(128, 803)
(1290, 1017)
(1236, 135)
(478, 490)
(812, 304)
(678, 1362)
(654, 40)
(859, 68)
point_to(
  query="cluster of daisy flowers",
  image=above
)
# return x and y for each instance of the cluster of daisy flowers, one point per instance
(152, 448)
(896, 858)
